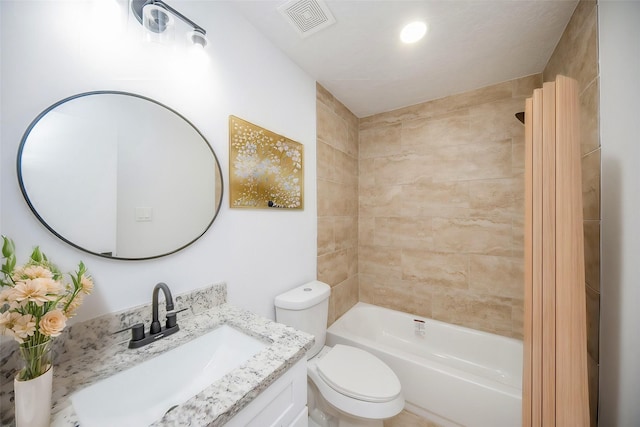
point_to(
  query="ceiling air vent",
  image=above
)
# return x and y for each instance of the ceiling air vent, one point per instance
(307, 16)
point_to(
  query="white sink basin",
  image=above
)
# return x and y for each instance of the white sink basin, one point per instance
(144, 393)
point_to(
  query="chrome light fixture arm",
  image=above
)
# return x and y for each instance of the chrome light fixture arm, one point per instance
(138, 5)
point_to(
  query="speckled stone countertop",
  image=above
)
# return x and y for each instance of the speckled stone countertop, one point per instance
(91, 360)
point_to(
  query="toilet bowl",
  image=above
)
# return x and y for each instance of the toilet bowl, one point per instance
(348, 386)
(355, 384)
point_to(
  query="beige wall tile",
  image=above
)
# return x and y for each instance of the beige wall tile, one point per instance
(593, 323)
(592, 254)
(576, 54)
(405, 296)
(395, 293)
(337, 186)
(323, 96)
(373, 286)
(517, 319)
(489, 236)
(366, 288)
(486, 160)
(343, 297)
(380, 200)
(331, 128)
(352, 261)
(497, 275)
(325, 161)
(591, 185)
(486, 313)
(403, 169)
(495, 197)
(459, 169)
(379, 141)
(439, 106)
(445, 199)
(524, 86)
(346, 232)
(422, 134)
(366, 231)
(323, 188)
(496, 121)
(380, 260)
(517, 156)
(517, 236)
(352, 146)
(585, 62)
(593, 374)
(472, 161)
(346, 168)
(343, 112)
(326, 242)
(589, 117)
(403, 232)
(333, 268)
(435, 268)
(366, 172)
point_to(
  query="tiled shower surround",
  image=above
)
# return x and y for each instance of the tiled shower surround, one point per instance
(441, 212)
(337, 157)
(438, 224)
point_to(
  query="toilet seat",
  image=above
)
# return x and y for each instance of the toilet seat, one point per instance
(358, 374)
(348, 404)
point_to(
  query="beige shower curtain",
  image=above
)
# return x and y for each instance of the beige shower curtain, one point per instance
(555, 384)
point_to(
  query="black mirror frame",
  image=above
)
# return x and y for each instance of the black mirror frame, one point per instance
(110, 92)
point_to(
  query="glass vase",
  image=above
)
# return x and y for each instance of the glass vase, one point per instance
(36, 359)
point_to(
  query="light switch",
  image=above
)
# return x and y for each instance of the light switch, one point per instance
(143, 214)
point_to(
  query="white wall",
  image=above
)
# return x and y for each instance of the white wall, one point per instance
(619, 131)
(53, 49)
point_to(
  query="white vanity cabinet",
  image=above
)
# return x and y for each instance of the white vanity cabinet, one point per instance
(282, 404)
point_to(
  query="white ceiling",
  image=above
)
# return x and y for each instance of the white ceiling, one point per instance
(469, 44)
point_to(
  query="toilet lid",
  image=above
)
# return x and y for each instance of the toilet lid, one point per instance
(358, 374)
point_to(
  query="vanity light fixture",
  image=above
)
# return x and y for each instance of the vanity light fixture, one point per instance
(157, 17)
(413, 32)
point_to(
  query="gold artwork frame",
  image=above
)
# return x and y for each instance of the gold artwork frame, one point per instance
(265, 169)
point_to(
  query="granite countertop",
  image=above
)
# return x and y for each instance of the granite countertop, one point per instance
(215, 405)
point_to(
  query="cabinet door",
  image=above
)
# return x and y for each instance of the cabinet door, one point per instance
(280, 404)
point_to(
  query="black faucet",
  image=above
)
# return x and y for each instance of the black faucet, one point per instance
(156, 331)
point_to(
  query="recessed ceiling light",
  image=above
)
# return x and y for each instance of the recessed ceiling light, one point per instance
(413, 32)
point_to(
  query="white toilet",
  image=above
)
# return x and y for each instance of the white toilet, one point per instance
(347, 386)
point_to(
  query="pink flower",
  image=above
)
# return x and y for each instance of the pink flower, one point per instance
(24, 327)
(32, 290)
(52, 323)
(87, 284)
(37, 271)
(8, 320)
(73, 306)
(7, 296)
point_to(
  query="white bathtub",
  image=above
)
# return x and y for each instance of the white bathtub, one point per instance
(451, 375)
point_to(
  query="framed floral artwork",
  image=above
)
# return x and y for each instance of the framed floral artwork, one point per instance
(265, 169)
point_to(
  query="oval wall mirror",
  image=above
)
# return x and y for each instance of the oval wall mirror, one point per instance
(119, 175)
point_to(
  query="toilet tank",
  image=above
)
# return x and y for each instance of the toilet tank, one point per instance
(306, 308)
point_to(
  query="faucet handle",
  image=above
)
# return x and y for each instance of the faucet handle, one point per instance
(137, 331)
(171, 320)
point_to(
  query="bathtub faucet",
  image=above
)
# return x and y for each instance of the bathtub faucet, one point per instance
(420, 327)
